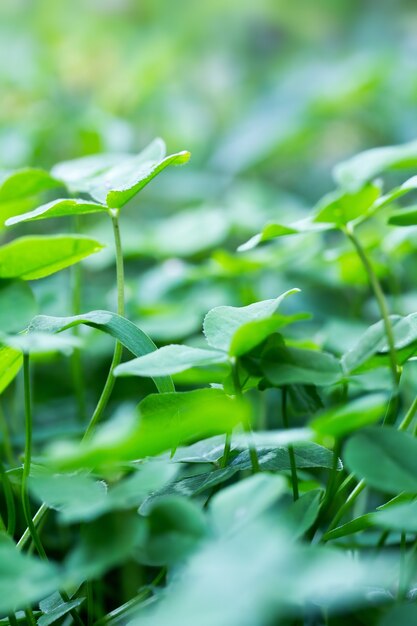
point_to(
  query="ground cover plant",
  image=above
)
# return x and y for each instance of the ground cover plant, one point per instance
(253, 465)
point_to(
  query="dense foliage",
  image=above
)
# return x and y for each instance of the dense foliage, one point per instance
(207, 374)
(268, 473)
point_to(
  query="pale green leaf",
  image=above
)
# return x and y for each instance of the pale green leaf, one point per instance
(170, 360)
(57, 208)
(162, 422)
(363, 167)
(35, 257)
(222, 323)
(340, 420)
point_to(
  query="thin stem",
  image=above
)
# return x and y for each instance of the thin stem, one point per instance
(118, 349)
(253, 454)
(30, 618)
(346, 506)
(12, 619)
(28, 458)
(37, 518)
(291, 453)
(226, 453)
(10, 505)
(382, 304)
(7, 444)
(408, 417)
(76, 363)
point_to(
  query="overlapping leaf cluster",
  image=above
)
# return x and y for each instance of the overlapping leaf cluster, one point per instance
(268, 474)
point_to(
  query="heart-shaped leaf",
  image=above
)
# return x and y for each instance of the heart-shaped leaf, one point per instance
(222, 323)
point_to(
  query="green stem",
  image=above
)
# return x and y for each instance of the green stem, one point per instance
(346, 506)
(10, 505)
(76, 363)
(30, 618)
(227, 446)
(118, 349)
(12, 620)
(408, 417)
(28, 458)
(246, 425)
(382, 304)
(7, 444)
(291, 453)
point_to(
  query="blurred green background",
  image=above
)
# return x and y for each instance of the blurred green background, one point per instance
(271, 89)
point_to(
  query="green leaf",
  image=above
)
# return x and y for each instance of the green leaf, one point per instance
(162, 422)
(373, 341)
(288, 366)
(400, 615)
(254, 333)
(404, 217)
(170, 360)
(35, 257)
(102, 546)
(10, 363)
(341, 420)
(277, 459)
(57, 208)
(243, 502)
(399, 517)
(355, 172)
(340, 207)
(40, 343)
(222, 323)
(23, 579)
(80, 497)
(119, 184)
(274, 231)
(132, 337)
(300, 515)
(175, 528)
(191, 485)
(54, 607)
(25, 182)
(77, 173)
(17, 305)
(385, 457)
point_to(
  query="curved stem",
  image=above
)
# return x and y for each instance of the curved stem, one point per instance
(28, 459)
(291, 454)
(382, 304)
(118, 349)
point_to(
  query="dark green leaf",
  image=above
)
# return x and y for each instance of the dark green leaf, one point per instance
(288, 366)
